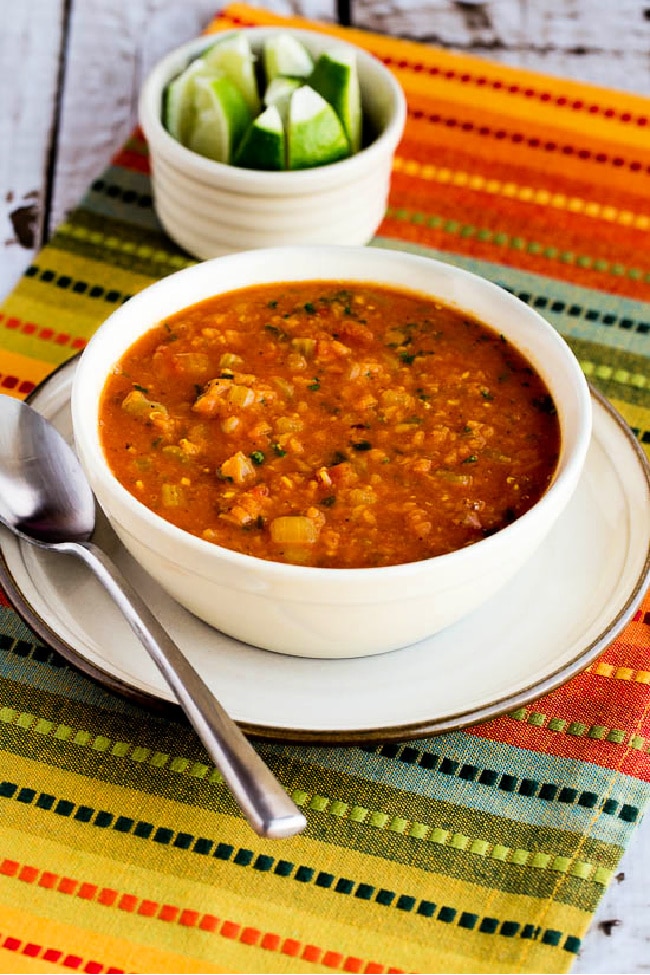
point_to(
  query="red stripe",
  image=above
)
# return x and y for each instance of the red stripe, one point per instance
(16, 384)
(130, 159)
(501, 84)
(43, 332)
(55, 956)
(170, 913)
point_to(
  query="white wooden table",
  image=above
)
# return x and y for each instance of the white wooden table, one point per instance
(70, 74)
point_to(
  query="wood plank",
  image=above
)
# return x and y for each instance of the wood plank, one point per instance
(112, 47)
(596, 41)
(28, 92)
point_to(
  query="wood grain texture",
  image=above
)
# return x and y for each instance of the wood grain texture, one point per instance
(28, 92)
(110, 44)
(598, 41)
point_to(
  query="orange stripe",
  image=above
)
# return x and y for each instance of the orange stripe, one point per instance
(493, 141)
(42, 332)
(54, 956)
(189, 918)
(19, 374)
(619, 117)
(530, 221)
(415, 233)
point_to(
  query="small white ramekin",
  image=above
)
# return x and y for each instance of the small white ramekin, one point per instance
(211, 209)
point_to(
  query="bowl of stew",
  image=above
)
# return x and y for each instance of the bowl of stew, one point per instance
(211, 208)
(330, 451)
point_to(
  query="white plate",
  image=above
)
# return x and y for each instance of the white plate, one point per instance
(561, 611)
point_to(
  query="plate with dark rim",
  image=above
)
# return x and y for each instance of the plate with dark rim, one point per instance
(565, 606)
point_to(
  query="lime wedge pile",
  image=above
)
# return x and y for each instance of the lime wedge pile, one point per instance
(279, 110)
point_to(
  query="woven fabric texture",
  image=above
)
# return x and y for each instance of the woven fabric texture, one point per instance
(485, 850)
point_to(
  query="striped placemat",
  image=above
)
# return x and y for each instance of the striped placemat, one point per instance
(482, 850)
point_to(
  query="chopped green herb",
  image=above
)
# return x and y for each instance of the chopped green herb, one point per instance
(407, 357)
(258, 457)
(338, 457)
(314, 386)
(271, 304)
(486, 394)
(141, 389)
(472, 459)
(362, 445)
(278, 450)
(310, 307)
(329, 500)
(545, 404)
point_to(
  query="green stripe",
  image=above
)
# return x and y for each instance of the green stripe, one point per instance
(627, 370)
(122, 194)
(116, 243)
(499, 239)
(24, 659)
(362, 890)
(554, 784)
(514, 856)
(613, 320)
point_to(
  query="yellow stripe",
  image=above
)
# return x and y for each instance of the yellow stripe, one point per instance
(31, 925)
(620, 673)
(443, 175)
(367, 819)
(93, 272)
(117, 245)
(24, 368)
(271, 906)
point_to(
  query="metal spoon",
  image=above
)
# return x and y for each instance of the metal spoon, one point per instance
(46, 500)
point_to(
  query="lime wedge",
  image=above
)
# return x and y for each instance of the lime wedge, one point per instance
(263, 145)
(222, 117)
(285, 56)
(315, 135)
(234, 58)
(279, 93)
(178, 110)
(335, 77)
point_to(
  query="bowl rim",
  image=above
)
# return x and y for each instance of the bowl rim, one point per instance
(86, 432)
(299, 181)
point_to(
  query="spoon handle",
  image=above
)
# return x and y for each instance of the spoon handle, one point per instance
(265, 804)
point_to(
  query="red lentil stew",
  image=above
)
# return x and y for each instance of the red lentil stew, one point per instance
(332, 424)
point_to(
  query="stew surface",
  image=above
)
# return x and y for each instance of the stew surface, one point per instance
(330, 424)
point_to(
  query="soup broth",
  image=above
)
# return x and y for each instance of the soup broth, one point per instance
(330, 424)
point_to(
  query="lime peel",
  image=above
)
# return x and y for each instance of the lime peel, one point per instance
(335, 77)
(315, 135)
(218, 106)
(222, 117)
(263, 145)
(234, 57)
(286, 57)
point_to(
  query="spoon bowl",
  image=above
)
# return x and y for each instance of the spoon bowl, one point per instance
(46, 500)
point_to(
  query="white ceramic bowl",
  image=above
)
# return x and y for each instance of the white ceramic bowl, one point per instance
(210, 208)
(330, 612)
